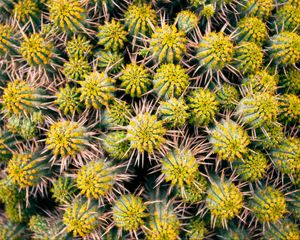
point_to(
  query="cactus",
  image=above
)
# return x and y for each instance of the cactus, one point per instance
(287, 18)
(174, 112)
(268, 204)
(135, 80)
(179, 167)
(261, 81)
(36, 50)
(12, 231)
(110, 61)
(96, 179)
(258, 110)
(26, 10)
(77, 68)
(286, 230)
(167, 44)
(146, 133)
(67, 15)
(197, 230)
(286, 156)
(203, 107)
(97, 90)
(129, 212)
(284, 48)
(252, 29)
(227, 96)
(28, 169)
(291, 81)
(248, 58)
(234, 233)
(63, 190)
(116, 145)
(170, 81)
(112, 36)
(81, 217)
(8, 42)
(186, 21)
(139, 19)
(7, 142)
(259, 8)
(78, 46)
(253, 167)
(229, 140)
(208, 11)
(21, 97)
(289, 106)
(224, 200)
(67, 138)
(68, 100)
(215, 51)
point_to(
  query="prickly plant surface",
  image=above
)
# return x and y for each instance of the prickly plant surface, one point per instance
(149, 119)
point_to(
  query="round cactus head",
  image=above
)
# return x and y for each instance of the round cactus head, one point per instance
(170, 81)
(116, 145)
(179, 167)
(215, 51)
(285, 48)
(229, 140)
(196, 230)
(129, 212)
(67, 138)
(174, 112)
(186, 21)
(76, 68)
(112, 36)
(252, 29)
(27, 10)
(258, 109)
(286, 155)
(81, 218)
(28, 169)
(97, 90)
(227, 96)
(136, 80)
(260, 81)
(79, 45)
(203, 107)
(224, 200)
(20, 97)
(253, 167)
(111, 62)
(285, 230)
(139, 19)
(63, 190)
(7, 42)
(168, 44)
(248, 58)
(268, 204)
(96, 179)
(259, 8)
(291, 81)
(288, 18)
(208, 11)
(289, 107)
(36, 50)
(270, 136)
(67, 15)
(146, 133)
(68, 101)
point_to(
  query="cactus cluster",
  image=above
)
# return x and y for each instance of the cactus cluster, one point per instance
(149, 119)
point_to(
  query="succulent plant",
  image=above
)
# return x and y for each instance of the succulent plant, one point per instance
(135, 80)
(203, 107)
(287, 18)
(174, 112)
(77, 68)
(228, 96)
(26, 10)
(286, 230)
(167, 44)
(170, 81)
(229, 140)
(96, 90)
(268, 204)
(129, 212)
(186, 21)
(258, 109)
(79, 45)
(146, 133)
(12, 231)
(224, 200)
(252, 29)
(63, 190)
(7, 142)
(259, 8)
(8, 42)
(110, 61)
(284, 48)
(139, 19)
(291, 81)
(289, 105)
(197, 230)
(112, 35)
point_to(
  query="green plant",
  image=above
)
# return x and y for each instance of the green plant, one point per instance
(110, 61)
(259, 8)
(228, 96)
(229, 140)
(79, 45)
(285, 230)
(170, 81)
(77, 68)
(186, 21)
(197, 229)
(12, 231)
(287, 18)
(26, 10)
(7, 143)
(289, 107)
(63, 190)
(291, 81)
(8, 42)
